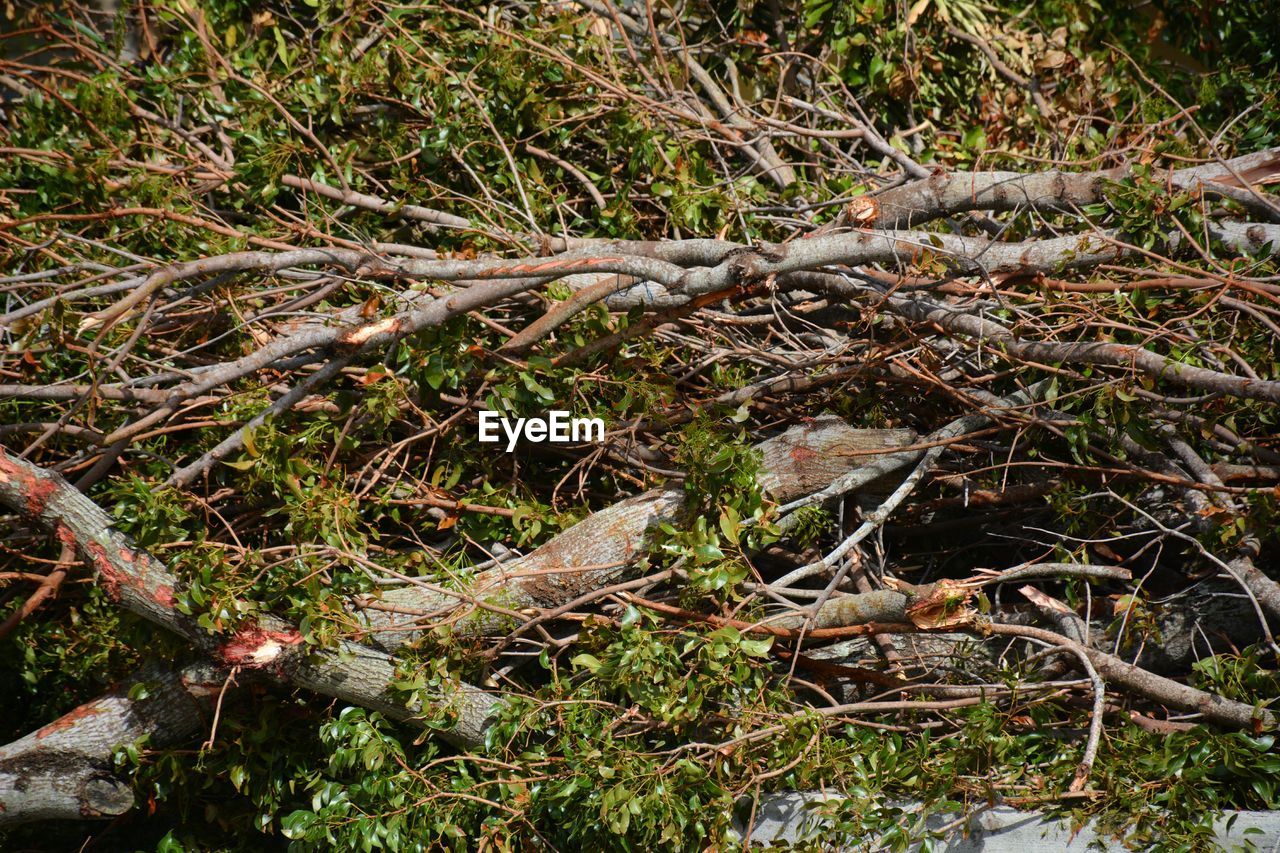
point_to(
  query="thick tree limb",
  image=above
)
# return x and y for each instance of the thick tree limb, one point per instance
(948, 193)
(718, 266)
(63, 770)
(597, 551)
(143, 585)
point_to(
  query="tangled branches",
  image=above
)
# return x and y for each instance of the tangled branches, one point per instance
(892, 448)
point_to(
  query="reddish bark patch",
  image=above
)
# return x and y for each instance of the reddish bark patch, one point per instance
(111, 577)
(801, 454)
(39, 490)
(164, 595)
(65, 535)
(68, 720)
(27, 484)
(9, 470)
(253, 647)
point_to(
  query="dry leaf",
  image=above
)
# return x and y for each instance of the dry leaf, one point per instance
(945, 606)
(1045, 602)
(916, 11)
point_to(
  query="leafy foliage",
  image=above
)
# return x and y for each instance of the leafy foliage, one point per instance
(631, 734)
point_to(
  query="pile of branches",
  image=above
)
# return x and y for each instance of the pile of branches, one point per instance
(963, 418)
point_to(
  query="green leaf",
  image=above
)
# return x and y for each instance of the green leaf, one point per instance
(587, 662)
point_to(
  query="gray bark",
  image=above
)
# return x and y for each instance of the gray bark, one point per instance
(63, 770)
(599, 550)
(142, 584)
(948, 193)
(361, 675)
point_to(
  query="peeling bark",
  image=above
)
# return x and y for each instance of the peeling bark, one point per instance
(882, 605)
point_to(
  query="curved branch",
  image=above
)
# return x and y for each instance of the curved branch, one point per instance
(1157, 688)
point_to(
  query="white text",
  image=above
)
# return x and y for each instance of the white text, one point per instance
(557, 427)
